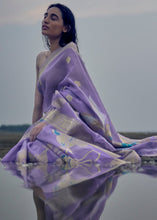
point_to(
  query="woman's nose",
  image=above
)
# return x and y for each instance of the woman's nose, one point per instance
(46, 20)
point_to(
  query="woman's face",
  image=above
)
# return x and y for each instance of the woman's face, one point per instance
(52, 24)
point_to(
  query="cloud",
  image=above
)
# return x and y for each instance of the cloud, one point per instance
(113, 7)
(21, 12)
(29, 12)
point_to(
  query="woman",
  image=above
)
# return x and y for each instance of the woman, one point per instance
(70, 123)
(58, 32)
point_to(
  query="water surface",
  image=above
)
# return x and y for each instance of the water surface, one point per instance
(121, 194)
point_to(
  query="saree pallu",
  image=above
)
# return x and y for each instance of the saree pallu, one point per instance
(78, 128)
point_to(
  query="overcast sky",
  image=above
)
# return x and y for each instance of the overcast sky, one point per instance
(117, 41)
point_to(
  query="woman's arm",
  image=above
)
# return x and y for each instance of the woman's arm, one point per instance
(38, 99)
(38, 102)
(37, 111)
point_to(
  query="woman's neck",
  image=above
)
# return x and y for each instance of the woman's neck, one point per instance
(54, 45)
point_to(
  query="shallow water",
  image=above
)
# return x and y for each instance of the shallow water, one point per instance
(122, 194)
(16, 202)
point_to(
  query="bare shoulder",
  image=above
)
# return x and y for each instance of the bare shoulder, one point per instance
(40, 59)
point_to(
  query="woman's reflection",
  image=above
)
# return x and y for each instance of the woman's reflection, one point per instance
(61, 194)
(85, 200)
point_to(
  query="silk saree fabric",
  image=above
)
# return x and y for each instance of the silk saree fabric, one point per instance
(78, 128)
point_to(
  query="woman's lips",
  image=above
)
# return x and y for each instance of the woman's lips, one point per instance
(44, 27)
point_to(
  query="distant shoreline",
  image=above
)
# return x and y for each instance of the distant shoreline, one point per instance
(14, 128)
(138, 135)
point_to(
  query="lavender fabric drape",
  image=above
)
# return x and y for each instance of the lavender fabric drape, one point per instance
(78, 128)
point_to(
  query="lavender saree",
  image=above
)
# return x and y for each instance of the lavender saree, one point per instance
(78, 129)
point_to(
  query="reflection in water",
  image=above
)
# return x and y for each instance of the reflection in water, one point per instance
(72, 193)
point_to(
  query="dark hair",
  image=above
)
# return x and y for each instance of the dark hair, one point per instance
(69, 21)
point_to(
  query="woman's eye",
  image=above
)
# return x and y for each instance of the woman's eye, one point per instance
(54, 18)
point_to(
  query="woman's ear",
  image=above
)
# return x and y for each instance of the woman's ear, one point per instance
(66, 28)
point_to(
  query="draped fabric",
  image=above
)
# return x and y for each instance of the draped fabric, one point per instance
(78, 129)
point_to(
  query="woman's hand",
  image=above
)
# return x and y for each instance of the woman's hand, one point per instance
(36, 130)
